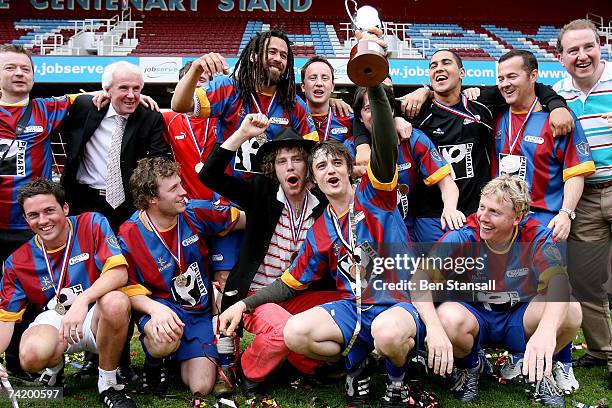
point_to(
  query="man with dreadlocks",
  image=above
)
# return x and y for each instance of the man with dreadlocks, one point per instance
(262, 82)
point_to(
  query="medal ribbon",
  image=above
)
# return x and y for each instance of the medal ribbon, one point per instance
(67, 250)
(469, 115)
(177, 257)
(195, 139)
(327, 125)
(350, 246)
(259, 107)
(295, 229)
(519, 134)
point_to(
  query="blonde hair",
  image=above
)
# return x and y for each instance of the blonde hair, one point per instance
(512, 189)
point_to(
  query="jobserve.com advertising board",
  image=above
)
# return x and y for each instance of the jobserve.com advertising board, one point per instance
(60, 69)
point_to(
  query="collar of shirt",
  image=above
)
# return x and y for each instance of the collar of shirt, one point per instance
(567, 84)
(20, 103)
(112, 112)
(312, 200)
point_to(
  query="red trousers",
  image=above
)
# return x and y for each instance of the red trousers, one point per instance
(268, 349)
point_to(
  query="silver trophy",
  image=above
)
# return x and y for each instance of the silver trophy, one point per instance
(368, 65)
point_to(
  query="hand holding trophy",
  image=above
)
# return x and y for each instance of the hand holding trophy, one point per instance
(368, 65)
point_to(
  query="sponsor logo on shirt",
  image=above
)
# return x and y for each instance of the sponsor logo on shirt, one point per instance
(79, 258)
(460, 158)
(217, 257)
(190, 240)
(438, 131)
(515, 273)
(279, 121)
(359, 216)
(180, 136)
(404, 166)
(340, 130)
(534, 139)
(34, 129)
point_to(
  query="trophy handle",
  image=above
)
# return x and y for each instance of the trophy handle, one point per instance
(346, 6)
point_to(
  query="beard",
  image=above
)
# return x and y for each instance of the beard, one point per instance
(273, 77)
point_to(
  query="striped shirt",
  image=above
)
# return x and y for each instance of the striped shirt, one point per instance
(283, 247)
(589, 108)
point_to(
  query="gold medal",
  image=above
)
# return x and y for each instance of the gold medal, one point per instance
(198, 167)
(60, 309)
(403, 189)
(353, 271)
(181, 280)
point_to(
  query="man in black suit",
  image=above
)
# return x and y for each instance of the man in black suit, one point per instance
(102, 150)
(104, 146)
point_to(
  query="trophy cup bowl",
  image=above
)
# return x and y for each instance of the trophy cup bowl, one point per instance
(368, 65)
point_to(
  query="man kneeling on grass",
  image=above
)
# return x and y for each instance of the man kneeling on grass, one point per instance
(69, 272)
(168, 274)
(528, 311)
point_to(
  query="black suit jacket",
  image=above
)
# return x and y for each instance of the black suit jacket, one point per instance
(257, 197)
(142, 138)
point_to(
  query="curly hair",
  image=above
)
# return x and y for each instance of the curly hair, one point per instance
(251, 73)
(41, 186)
(268, 160)
(512, 189)
(144, 182)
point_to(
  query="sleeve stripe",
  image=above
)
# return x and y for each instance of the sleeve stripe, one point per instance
(583, 169)
(379, 185)
(201, 107)
(548, 274)
(11, 316)
(293, 283)
(235, 215)
(113, 261)
(135, 290)
(438, 175)
(312, 136)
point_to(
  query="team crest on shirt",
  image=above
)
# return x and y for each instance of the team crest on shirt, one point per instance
(112, 242)
(583, 148)
(459, 156)
(498, 134)
(552, 253)
(435, 155)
